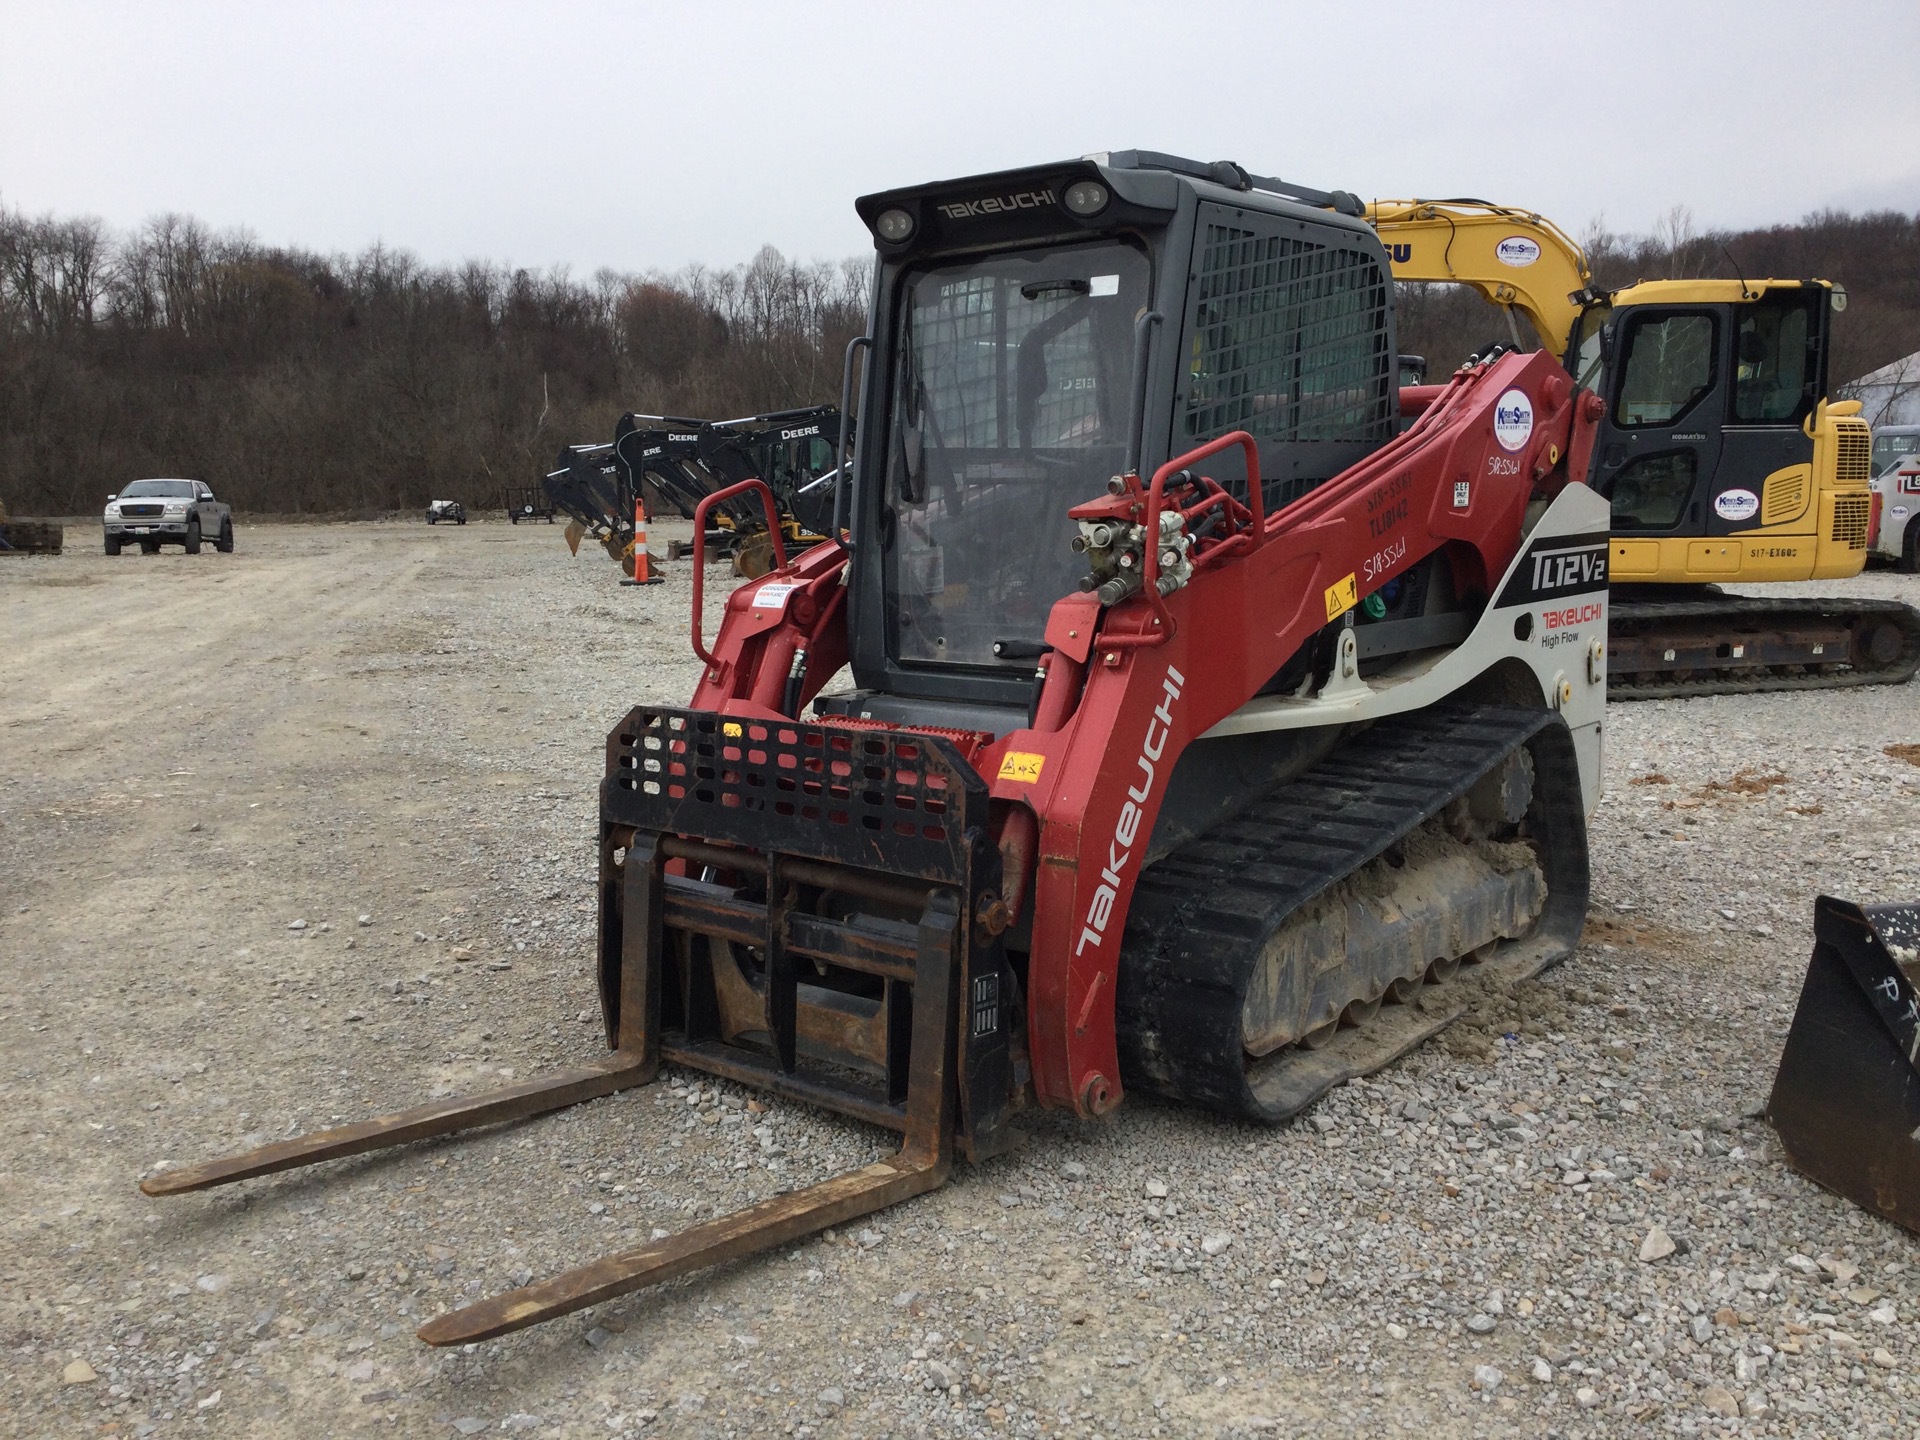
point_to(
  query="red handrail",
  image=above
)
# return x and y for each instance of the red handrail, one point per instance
(700, 548)
(1256, 533)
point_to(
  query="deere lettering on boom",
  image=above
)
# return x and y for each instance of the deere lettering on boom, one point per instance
(1203, 724)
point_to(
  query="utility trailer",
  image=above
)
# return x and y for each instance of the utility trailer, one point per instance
(529, 502)
(1220, 724)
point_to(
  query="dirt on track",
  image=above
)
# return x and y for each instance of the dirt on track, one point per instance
(199, 754)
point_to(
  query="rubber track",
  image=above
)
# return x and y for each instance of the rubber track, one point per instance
(1748, 680)
(1201, 916)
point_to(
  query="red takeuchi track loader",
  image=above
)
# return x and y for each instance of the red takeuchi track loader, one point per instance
(1210, 716)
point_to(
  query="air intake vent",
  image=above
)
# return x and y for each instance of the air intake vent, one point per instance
(1851, 514)
(1785, 497)
(1855, 458)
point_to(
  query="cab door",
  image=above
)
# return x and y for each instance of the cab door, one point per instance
(1778, 366)
(1659, 447)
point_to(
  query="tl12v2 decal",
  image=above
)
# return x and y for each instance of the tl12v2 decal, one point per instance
(1555, 566)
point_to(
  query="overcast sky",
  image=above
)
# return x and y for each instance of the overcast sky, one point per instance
(652, 135)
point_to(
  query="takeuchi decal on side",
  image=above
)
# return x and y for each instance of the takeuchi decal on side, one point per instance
(1127, 828)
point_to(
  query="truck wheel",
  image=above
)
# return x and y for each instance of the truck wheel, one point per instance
(113, 544)
(433, 519)
(513, 517)
(192, 542)
(460, 520)
(225, 543)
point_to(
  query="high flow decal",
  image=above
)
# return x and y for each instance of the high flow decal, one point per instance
(997, 204)
(1126, 829)
(773, 595)
(1557, 566)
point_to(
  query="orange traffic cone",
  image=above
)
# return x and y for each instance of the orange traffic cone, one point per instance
(642, 571)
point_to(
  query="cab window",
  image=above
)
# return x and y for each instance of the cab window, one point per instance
(1667, 368)
(1651, 493)
(1771, 361)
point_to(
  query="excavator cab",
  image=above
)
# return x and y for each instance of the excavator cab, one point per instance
(1709, 426)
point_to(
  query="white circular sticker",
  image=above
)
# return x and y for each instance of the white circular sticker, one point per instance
(1513, 420)
(1736, 504)
(1517, 251)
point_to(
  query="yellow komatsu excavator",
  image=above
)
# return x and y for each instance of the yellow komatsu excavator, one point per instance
(1718, 447)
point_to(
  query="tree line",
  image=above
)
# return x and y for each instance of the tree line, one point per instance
(296, 382)
(1875, 255)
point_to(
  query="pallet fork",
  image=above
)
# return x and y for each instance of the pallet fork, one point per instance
(827, 966)
(1846, 1099)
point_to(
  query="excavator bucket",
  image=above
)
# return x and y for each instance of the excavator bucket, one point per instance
(1846, 1100)
(575, 533)
(754, 556)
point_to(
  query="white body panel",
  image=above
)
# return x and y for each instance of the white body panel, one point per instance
(1561, 640)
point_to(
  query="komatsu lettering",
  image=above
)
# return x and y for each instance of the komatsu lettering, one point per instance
(997, 204)
(1126, 829)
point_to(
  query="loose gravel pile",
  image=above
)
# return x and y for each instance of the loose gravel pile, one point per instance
(306, 834)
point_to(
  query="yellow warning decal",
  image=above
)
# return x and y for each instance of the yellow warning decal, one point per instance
(731, 729)
(1342, 598)
(1021, 766)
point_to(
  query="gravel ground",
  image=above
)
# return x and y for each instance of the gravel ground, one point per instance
(255, 810)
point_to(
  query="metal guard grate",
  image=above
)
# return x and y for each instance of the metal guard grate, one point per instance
(1851, 516)
(1854, 460)
(892, 800)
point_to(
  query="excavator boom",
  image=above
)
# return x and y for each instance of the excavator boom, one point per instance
(1512, 258)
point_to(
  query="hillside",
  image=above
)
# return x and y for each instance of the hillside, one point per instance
(299, 382)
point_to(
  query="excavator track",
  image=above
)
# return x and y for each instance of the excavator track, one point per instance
(1335, 889)
(1706, 642)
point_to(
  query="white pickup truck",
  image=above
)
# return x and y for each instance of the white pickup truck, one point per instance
(152, 513)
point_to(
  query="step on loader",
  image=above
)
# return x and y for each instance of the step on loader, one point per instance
(1198, 723)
